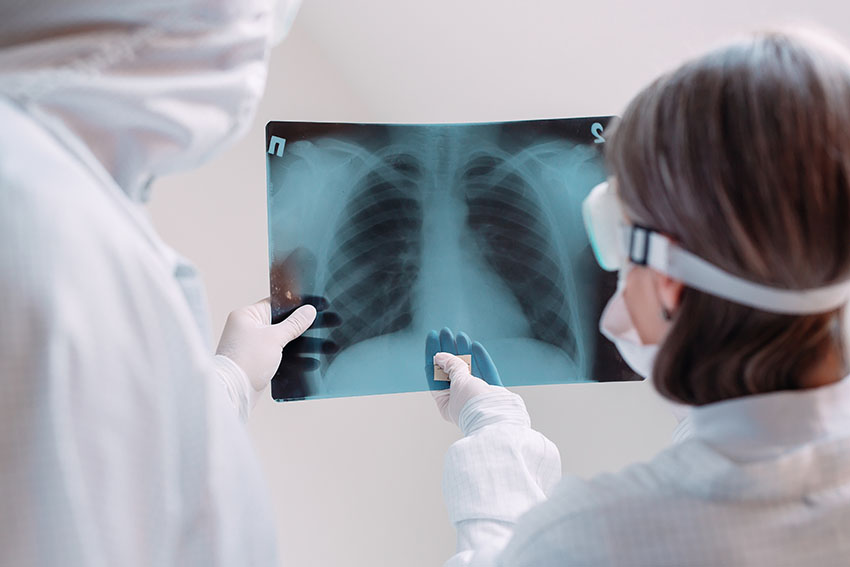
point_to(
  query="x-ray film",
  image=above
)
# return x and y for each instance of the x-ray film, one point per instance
(393, 230)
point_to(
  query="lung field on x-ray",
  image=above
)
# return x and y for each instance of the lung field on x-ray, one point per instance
(506, 217)
(377, 253)
(408, 228)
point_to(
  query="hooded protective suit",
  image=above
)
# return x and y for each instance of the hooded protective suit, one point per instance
(118, 446)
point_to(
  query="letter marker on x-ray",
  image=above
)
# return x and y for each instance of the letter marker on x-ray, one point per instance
(443, 377)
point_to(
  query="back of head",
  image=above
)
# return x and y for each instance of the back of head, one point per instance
(743, 157)
(144, 87)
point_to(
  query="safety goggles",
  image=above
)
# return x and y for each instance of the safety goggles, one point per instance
(616, 242)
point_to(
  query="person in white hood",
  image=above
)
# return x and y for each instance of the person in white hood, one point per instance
(120, 434)
(727, 215)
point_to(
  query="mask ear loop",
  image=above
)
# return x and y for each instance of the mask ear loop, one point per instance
(841, 336)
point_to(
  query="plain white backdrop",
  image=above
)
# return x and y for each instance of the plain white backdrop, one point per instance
(356, 482)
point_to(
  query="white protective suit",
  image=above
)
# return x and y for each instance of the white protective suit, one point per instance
(761, 480)
(118, 445)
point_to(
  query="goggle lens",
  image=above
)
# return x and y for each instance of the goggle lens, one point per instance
(603, 222)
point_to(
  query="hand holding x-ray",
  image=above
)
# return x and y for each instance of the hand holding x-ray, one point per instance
(443, 350)
(250, 347)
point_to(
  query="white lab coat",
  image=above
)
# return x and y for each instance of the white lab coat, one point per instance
(118, 445)
(760, 481)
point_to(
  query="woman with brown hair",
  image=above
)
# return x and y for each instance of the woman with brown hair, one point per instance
(727, 214)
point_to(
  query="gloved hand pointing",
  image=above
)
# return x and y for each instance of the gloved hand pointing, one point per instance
(249, 351)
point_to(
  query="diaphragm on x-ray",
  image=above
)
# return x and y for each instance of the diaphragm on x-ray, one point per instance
(392, 230)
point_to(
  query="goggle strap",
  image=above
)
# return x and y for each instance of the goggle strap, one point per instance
(639, 245)
(667, 258)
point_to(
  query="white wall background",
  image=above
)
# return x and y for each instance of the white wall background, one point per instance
(356, 482)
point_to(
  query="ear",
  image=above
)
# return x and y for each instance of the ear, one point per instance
(669, 290)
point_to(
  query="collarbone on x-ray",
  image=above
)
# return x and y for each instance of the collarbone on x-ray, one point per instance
(416, 227)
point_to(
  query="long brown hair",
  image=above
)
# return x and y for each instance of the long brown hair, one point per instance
(743, 157)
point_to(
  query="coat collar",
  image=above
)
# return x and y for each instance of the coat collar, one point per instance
(768, 425)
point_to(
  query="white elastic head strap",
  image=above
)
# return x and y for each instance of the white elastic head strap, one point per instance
(649, 248)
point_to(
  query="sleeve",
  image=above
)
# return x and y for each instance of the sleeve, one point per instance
(235, 384)
(683, 430)
(497, 472)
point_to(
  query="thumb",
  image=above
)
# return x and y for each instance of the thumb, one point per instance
(294, 326)
(455, 367)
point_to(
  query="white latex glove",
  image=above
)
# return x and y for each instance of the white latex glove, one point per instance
(250, 348)
(464, 387)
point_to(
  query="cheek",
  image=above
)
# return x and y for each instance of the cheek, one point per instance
(642, 304)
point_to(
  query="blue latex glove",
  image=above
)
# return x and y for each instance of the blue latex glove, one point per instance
(452, 396)
(445, 341)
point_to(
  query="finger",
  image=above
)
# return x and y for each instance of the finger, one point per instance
(447, 341)
(455, 367)
(298, 364)
(281, 310)
(327, 319)
(464, 343)
(294, 325)
(311, 345)
(464, 346)
(474, 367)
(485, 365)
(317, 301)
(432, 347)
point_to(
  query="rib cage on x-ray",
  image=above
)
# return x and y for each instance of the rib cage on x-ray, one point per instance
(505, 215)
(377, 252)
(377, 245)
(406, 228)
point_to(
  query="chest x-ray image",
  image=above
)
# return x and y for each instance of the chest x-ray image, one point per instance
(393, 230)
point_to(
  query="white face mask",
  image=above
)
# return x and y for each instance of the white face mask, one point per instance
(617, 326)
